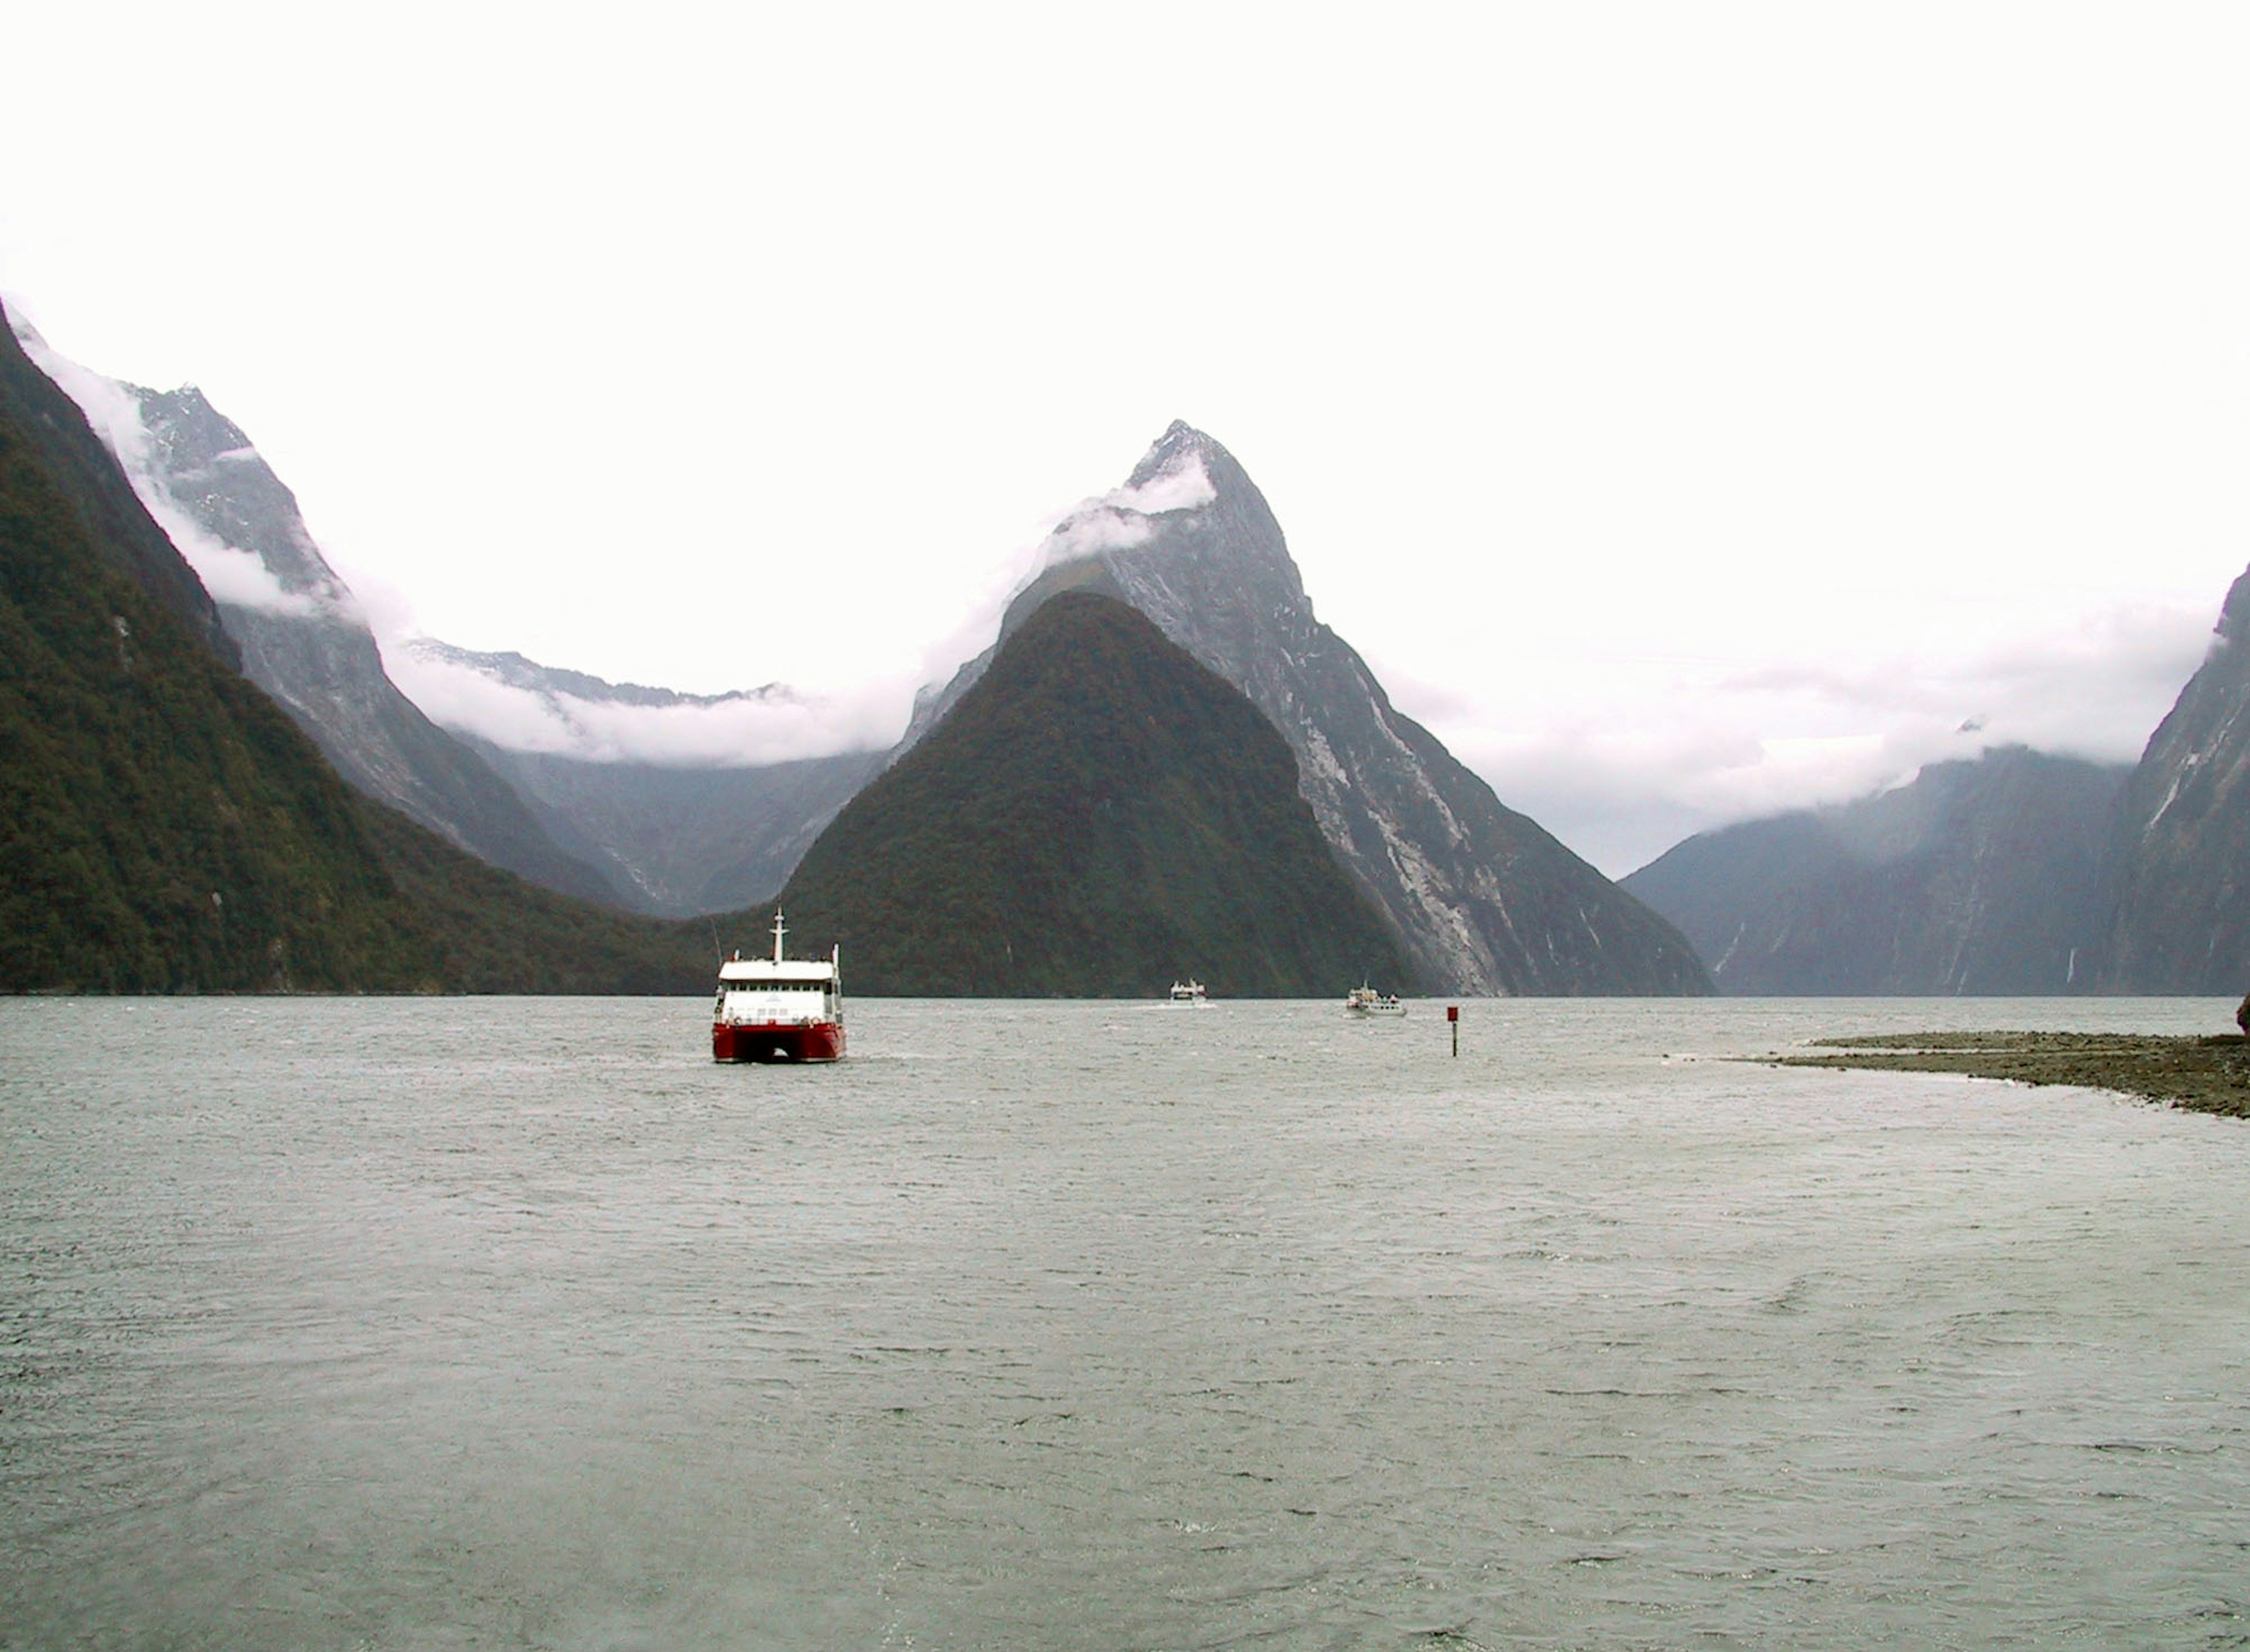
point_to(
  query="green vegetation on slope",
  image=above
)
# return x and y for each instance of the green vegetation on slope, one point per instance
(71, 455)
(494, 932)
(157, 832)
(1099, 815)
(166, 828)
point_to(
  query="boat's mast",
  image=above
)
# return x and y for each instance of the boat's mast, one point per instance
(778, 932)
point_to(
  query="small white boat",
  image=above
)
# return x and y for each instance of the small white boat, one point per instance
(1187, 992)
(1364, 999)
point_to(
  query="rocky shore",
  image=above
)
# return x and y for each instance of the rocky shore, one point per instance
(2201, 1075)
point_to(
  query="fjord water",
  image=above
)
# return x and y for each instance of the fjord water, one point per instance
(516, 1323)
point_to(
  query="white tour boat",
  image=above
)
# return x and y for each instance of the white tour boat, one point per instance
(778, 1009)
(1364, 999)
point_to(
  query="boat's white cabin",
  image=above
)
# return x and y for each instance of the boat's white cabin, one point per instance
(775, 990)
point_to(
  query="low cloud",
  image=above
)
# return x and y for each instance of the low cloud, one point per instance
(1123, 517)
(229, 573)
(1117, 520)
(1183, 486)
(1671, 750)
(739, 731)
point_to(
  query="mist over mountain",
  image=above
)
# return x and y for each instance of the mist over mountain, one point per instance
(675, 841)
(647, 784)
(297, 631)
(1481, 899)
(1981, 877)
(1098, 816)
(638, 796)
(118, 525)
(167, 829)
(2179, 921)
(522, 705)
(1977, 877)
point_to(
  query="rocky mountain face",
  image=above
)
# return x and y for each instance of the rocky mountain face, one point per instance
(166, 828)
(1981, 877)
(2179, 919)
(319, 660)
(117, 523)
(1480, 899)
(305, 643)
(659, 840)
(1098, 816)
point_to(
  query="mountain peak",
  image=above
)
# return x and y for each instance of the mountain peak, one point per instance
(2234, 612)
(1480, 899)
(1181, 450)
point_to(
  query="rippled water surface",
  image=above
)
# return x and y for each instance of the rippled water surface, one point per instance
(517, 1323)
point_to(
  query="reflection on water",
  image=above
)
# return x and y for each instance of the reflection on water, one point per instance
(517, 1323)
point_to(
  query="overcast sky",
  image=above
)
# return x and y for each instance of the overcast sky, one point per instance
(1689, 411)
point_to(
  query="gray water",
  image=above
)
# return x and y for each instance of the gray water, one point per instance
(516, 1323)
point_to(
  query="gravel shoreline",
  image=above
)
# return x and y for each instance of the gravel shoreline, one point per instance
(2200, 1075)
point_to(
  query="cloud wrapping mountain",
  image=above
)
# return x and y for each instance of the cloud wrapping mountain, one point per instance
(521, 705)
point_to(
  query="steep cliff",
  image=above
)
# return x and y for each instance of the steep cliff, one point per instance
(1481, 899)
(2179, 919)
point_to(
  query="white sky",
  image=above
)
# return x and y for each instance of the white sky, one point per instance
(1688, 410)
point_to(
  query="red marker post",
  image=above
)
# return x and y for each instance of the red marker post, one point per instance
(1453, 1015)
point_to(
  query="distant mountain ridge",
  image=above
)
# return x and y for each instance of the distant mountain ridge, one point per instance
(1982, 877)
(1481, 899)
(1098, 816)
(556, 682)
(676, 841)
(2020, 873)
(671, 839)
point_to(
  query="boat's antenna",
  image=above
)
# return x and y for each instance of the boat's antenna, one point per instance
(779, 931)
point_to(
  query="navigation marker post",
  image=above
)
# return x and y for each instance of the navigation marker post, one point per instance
(1453, 1016)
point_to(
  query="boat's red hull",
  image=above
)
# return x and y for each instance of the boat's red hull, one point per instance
(821, 1041)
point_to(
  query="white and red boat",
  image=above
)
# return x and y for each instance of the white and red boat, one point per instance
(778, 1009)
